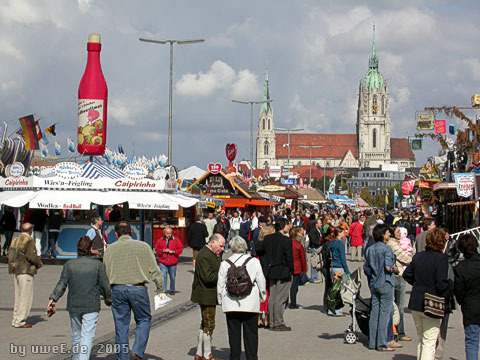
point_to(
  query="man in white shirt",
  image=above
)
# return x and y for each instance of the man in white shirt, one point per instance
(210, 223)
(254, 221)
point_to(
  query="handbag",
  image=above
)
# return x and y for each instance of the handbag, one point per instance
(434, 306)
(303, 279)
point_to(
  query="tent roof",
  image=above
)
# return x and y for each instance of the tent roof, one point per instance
(190, 173)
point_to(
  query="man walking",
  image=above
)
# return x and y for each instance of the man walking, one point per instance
(428, 225)
(277, 249)
(130, 265)
(95, 234)
(23, 262)
(210, 223)
(204, 292)
(314, 240)
(196, 237)
(262, 222)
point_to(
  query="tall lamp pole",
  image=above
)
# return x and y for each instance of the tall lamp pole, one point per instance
(288, 139)
(171, 42)
(310, 147)
(251, 123)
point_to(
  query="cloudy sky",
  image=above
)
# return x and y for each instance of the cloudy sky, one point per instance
(317, 52)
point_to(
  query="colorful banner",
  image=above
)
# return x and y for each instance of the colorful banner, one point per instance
(408, 185)
(464, 183)
(29, 132)
(51, 130)
(440, 127)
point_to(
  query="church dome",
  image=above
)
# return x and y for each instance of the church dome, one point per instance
(373, 80)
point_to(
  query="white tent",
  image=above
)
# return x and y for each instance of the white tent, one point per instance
(190, 173)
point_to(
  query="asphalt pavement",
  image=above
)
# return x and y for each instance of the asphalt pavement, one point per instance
(314, 335)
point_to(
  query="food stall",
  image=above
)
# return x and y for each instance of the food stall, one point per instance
(83, 190)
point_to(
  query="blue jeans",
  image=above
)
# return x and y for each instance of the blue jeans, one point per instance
(171, 270)
(333, 272)
(313, 271)
(400, 301)
(471, 341)
(83, 331)
(8, 240)
(52, 241)
(380, 315)
(126, 299)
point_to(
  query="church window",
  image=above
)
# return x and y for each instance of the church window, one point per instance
(383, 105)
(374, 105)
(265, 148)
(263, 124)
(374, 138)
(268, 124)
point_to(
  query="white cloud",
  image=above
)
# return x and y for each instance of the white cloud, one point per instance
(8, 49)
(19, 11)
(221, 76)
(400, 98)
(120, 113)
(84, 5)
(341, 23)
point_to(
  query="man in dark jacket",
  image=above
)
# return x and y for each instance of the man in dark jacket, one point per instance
(204, 292)
(196, 236)
(38, 218)
(54, 222)
(314, 241)
(278, 252)
(86, 280)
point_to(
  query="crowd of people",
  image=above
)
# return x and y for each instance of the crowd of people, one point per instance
(266, 258)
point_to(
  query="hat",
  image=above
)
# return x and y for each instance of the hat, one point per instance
(262, 219)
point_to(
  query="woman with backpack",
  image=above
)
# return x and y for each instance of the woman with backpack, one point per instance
(240, 298)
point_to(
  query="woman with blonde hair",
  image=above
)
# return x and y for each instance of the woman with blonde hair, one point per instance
(263, 318)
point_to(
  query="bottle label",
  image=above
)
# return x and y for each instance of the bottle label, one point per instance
(90, 122)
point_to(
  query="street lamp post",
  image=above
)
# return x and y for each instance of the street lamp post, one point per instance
(171, 42)
(251, 123)
(288, 139)
(311, 147)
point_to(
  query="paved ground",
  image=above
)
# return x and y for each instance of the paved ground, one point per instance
(174, 329)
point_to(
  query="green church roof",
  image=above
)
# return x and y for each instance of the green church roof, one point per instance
(266, 93)
(373, 79)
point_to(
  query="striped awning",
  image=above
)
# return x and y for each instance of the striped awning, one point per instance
(95, 171)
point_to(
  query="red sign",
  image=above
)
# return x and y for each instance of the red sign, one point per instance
(440, 127)
(231, 151)
(214, 168)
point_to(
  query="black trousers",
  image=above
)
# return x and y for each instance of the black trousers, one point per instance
(235, 322)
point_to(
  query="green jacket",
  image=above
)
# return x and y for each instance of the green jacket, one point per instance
(87, 280)
(22, 256)
(204, 287)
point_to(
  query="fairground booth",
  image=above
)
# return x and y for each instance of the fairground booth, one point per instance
(232, 189)
(79, 191)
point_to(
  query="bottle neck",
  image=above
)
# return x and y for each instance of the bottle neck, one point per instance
(93, 53)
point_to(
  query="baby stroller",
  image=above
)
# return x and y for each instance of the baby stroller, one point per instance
(360, 310)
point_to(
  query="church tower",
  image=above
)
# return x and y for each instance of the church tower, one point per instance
(373, 116)
(266, 133)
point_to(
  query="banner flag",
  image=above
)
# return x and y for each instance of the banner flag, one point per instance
(440, 127)
(51, 130)
(58, 149)
(70, 145)
(29, 132)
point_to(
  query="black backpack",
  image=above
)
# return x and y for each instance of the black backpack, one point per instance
(239, 283)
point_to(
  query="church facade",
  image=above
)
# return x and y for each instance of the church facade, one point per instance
(370, 147)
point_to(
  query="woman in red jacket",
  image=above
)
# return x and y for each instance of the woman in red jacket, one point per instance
(168, 249)
(299, 266)
(356, 238)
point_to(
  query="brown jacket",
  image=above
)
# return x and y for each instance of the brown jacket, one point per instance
(22, 256)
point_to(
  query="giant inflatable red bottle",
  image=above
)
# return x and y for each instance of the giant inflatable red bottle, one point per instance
(92, 103)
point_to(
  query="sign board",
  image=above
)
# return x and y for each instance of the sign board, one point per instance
(416, 144)
(425, 121)
(68, 170)
(16, 169)
(214, 168)
(135, 171)
(275, 171)
(464, 183)
(476, 100)
(440, 127)
(218, 185)
(288, 181)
